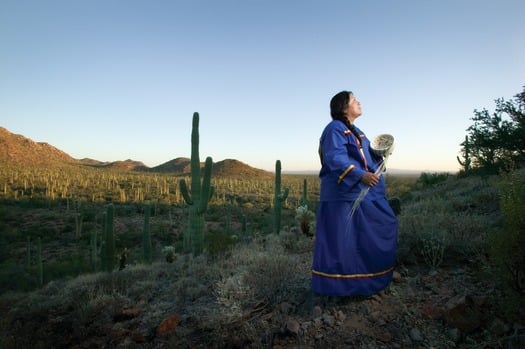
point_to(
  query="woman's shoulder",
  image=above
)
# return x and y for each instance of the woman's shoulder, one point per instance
(335, 125)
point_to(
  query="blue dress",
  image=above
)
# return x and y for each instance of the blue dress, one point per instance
(353, 254)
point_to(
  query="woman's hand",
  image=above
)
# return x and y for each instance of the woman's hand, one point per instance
(370, 179)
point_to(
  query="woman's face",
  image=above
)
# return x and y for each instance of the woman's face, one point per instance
(353, 109)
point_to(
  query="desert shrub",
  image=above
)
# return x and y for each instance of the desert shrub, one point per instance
(219, 242)
(450, 216)
(430, 179)
(195, 277)
(306, 220)
(15, 277)
(508, 243)
(417, 223)
(257, 272)
(433, 245)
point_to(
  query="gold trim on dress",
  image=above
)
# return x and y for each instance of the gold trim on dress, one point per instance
(345, 173)
(352, 276)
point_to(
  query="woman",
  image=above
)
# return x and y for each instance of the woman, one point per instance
(354, 253)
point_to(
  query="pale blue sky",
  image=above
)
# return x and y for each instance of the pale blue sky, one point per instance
(120, 79)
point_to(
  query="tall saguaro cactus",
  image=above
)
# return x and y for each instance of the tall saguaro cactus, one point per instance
(465, 163)
(200, 194)
(279, 197)
(146, 236)
(304, 197)
(109, 240)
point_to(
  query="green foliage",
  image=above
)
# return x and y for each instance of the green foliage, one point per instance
(200, 194)
(448, 223)
(508, 243)
(433, 247)
(279, 197)
(430, 179)
(220, 242)
(497, 140)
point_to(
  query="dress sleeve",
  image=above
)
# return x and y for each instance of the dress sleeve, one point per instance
(339, 156)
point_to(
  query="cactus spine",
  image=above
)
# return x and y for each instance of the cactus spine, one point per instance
(279, 197)
(197, 200)
(466, 151)
(146, 236)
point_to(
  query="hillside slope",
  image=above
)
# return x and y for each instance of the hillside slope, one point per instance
(17, 150)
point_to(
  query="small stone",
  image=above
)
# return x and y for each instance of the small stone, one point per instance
(415, 335)
(454, 334)
(396, 276)
(329, 320)
(317, 312)
(168, 325)
(498, 327)
(293, 326)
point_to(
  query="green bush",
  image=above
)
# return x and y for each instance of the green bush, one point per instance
(430, 179)
(508, 243)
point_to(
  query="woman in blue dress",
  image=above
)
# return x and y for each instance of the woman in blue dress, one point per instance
(355, 252)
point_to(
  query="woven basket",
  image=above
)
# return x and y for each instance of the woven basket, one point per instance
(383, 145)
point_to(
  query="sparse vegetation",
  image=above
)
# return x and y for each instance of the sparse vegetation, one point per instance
(250, 286)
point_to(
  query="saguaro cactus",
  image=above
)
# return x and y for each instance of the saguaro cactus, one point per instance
(109, 240)
(40, 263)
(193, 239)
(304, 197)
(279, 197)
(93, 251)
(146, 236)
(466, 151)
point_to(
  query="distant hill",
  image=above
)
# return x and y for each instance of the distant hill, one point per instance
(18, 150)
(21, 151)
(236, 169)
(226, 168)
(178, 165)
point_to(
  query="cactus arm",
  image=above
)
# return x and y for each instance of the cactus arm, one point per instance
(184, 191)
(206, 186)
(195, 164)
(279, 197)
(201, 193)
(284, 195)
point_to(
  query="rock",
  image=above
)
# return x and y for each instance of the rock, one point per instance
(415, 335)
(431, 310)
(126, 314)
(293, 326)
(461, 312)
(397, 277)
(498, 327)
(317, 312)
(329, 320)
(168, 325)
(455, 335)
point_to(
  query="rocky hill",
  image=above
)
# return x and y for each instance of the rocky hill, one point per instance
(226, 168)
(18, 150)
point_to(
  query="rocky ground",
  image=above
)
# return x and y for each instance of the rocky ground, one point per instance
(450, 307)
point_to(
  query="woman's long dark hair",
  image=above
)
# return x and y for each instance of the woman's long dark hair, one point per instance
(338, 104)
